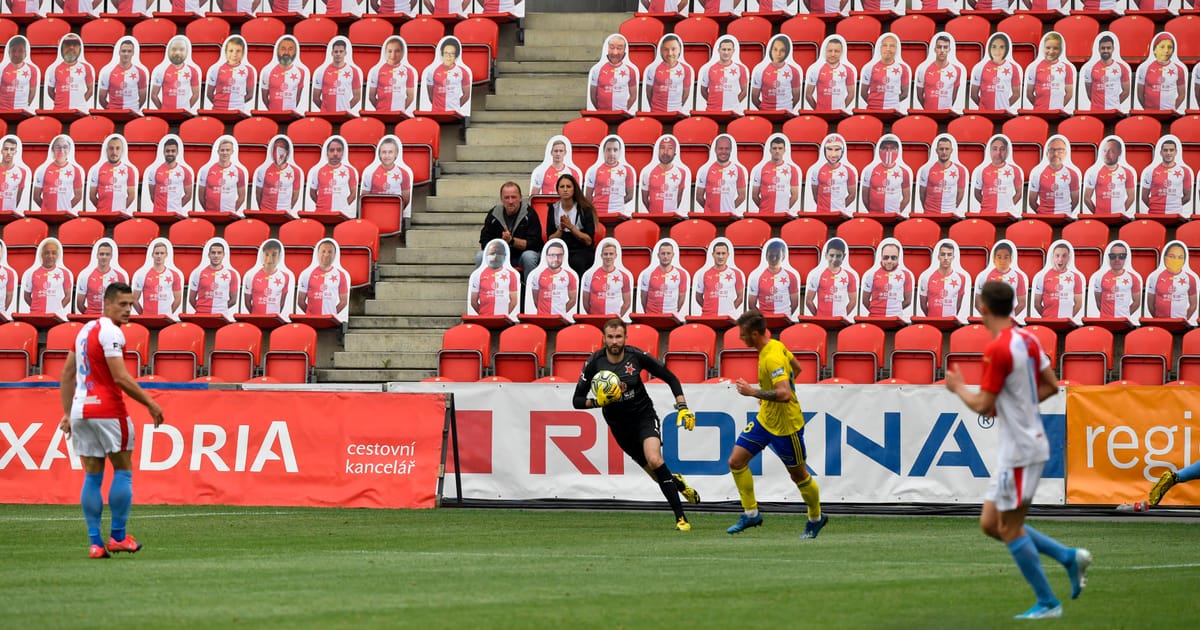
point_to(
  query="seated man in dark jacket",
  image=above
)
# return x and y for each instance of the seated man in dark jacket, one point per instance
(518, 225)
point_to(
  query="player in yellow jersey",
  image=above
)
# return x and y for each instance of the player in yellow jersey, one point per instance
(779, 426)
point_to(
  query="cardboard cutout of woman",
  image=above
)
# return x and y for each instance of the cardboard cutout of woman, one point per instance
(832, 286)
(663, 287)
(1115, 290)
(103, 270)
(112, 182)
(607, 288)
(777, 84)
(1172, 289)
(167, 184)
(222, 181)
(888, 287)
(996, 80)
(1004, 268)
(446, 83)
(558, 162)
(214, 286)
(1058, 289)
(668, 80)
(493, 286)
(279, 182)
(773, 288)
(1167, 183)
(940, 82)
(553, 287)
(833, 181)
(158, 285)
(123, 83)
(47, 286)
(392, 83)
(998, 183)
(9, 284)
(58, 182)
(268, 288)
(721, 183)
(338, 83)
(942, 181)
(831, 84)
(283, 83)
(610, 182)
(775, 182)
(887, 181)
(1110, 185)
(885, 81)
(1161, 83)
(1050, 79)
(723, 84)
(1055, 184)
(944, 289)
(70, 81)
(719, 289)
(175, 83)
(1105, 79)
(613, 81)
(16, 179)
(230, 83)
(665, 182)
(333, 182)
(20, 78)
(324, 287)
(388, 175)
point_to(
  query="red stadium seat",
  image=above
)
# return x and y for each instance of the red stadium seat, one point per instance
(1028, 134)
(292, 355)
(1085, 134)
(141, 137)
(862, 236)
(244, 237)
(180, 352)
(1189, 233)
(1187, 129)
(1088, 238)
(585, 133)
(358, 241)
(916, 133)
(693, 237)
(915, 32)
(36, 133)
(805, 133)
(695, 135)
(1189, 357)
(60, 341)
(572, 347)
(299, 237)
(639, 134)
(1184, 28)
(253, 135)
(1032, 238)
(641, 33)
(21, 239)
(521, 354)
(236, 351)
(261, 34)
(735, 360)
(691, 349)
(465, 353)
(421, 138)
(643, 337)
(421, 35)
(8, 29)
(207, 34)
(152, 36)
(1145, 239)
(199, 134)
(637, 238)
(1048, 338)
(748, 237)
(971, 33)
(972, 133)
(18, 350)
(1025, 31)
(917, 236)
(698, 33)
(966, 351)
(805, 238)
(307, 135)
(917, 354)
(133, 236)
(99, 35)
(975, 238)
(1080, 32)
(89, 133)
(43, 36)
(1087, 355)
(861, 132)
(752, 33)
(1148, 356)
(807, 343)
(314, 34)
(137, 347)
(188, 237)
(77, 236)
(480, 39)
(1140, 134)
(859, 353)
(367, 35)
(1134, 32)
(361, 136)
(861, 33)
(806, 33)
(750, 133)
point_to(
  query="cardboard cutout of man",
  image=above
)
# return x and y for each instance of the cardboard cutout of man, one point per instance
(446, 83)
(833, 182)
(721, 183)
(446, 7)
(243, 7)
(665, 182)
(15, 178)
(278, 182)
(1105, 78)
(103, 270)
(774, 287)
(283, 83)
(607, 288)
(885, 80)
(667, 83)
(1110, 185)
(493, 286)
(998, 183)
(388, 175)
(324, 287)
(888, 287)
(723, 84)
(663, 287)
(158, 284)
(124, 82)
(1055, 185)
(112, 182)
(333, 182)
(677, 7)
(940, 83)
(9, 283)
(1050, 79)
(613, 81)
(787, 7)
(719, 289)
(1115, 290)
(268, 286)
(47, 286)
(30, 7)
(230, 84)
(942, 181)
(553, 287)
(832, 286)
(777, 84)
(1171, 290)
(221, 185)
(875, 6)
(558, 162)
(887, 181)
(168, 183)
(832, 84)
(395, 7)
(710, 7)
(20, 78)
(296, 7)
(996, 80)
(1161, 78)
(175, 83)
(610, 182)
(1167, 183)
(1004, 268)
(944, 289)
(775, 182)
(58, 182)
(338, 83)
(516, 8)
(827, 7)
(392, 83)
(194, 7)
(70, 80)
(1058, 288)
(214, 285)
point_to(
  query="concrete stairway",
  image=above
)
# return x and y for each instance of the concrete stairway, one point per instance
(422, 289)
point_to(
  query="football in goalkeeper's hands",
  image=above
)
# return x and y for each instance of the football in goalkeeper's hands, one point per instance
(606, 387)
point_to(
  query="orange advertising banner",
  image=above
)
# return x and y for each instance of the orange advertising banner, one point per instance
(1120, 439)
(269, 448)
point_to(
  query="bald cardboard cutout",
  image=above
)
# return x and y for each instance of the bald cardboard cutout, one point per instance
(1056, 185)
(943, 181)
(997, 185)
(494, 285)
(284, 82)
(722, 182)
(112, 182)
(886, 81)
(1110, 185)
(613, 81)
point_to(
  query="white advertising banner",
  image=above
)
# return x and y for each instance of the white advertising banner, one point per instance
(865, 443)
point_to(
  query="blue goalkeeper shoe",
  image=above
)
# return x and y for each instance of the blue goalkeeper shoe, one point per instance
(812, 528)
(1077, 571)
(1040, 611)
(744, 523)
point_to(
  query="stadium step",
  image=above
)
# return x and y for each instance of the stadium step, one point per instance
(446, 220)
(542, 85)
(548, 24)
(476, 206)
(559, 116)
(456, 306)
(485, 152)
(421, 289)
(473, 186)
(394, 324)
(509, 134)
(419, 341)
(399, 359)
(568, 52)
(445, 239)
(407, 256)
(558, 100)
(356, 375)
(544, 67)
(488, 168)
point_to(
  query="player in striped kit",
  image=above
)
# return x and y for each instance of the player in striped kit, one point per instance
(1167, 183)
(1054, 185)
(885, 80)
(668, 80)
(229, 84)
(388, 175)
(942, 181)
(19, 77)
(446, 84)
(213, 288)
(943, 288)
(610, 182)
(222, 181)
(112, 182)
(267, 287)
(278, 181)
(1004, 269)
(167, 185)
(158, 285)
(333, 183)
(175, 83)
(940, 82)
(392, 83)
(338, 83)
(887, 287)
(833, 183)
(15, 177)
(999, 182)
(1058, 289)
(1171, 290)
(774, 287)
(832, 287)
(663, 288)
(58, 183)
(1050, 80)
(493, 286)
(777, 83)
(613, 81)
(47, 286)
(996, 79)
(70, 81)
(124, 82)
(720, 287)
(1106, 78)
(665, 183)
(775, 182)
(283, 83)
(833, 84)
(1115, 291)
(103, 270)
(1161, 78)
(722, 181)
(723, 82)
(887, 181)
(553, 288)
(324, 287)
(608, 286)
(1109, 185)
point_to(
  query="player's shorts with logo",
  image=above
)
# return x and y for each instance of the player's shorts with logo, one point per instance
(630, 434)
(1012, 487)
(97, 437)
(790, 448)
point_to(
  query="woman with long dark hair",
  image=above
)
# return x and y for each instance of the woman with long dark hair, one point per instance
(573, 219)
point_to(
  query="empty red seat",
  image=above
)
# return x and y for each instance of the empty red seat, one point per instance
(572, 347)
(18, 350)
(807, 343)
(60, 341)
(521, 354)
(691, 349)
(917, 354)
(292, 355)
(1148, 356)
(236, 351)
(1087, 355)
(966, 352)
(180, 352)
(465, 353)
(859, 353)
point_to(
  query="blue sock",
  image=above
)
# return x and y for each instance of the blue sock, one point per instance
(93, 505)
(120, 498)
(1026, 556)
(1191, 473)
(1050, 547)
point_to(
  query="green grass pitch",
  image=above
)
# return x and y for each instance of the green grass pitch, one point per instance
(218, 566)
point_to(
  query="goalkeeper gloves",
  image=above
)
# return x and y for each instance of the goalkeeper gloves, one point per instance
(685, 417)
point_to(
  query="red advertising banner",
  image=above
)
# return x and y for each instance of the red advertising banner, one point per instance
(1120, 439)
(269, 448)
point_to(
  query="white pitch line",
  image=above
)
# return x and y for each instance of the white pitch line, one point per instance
(49, 519)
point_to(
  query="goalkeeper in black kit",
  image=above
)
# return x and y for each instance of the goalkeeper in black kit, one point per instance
(630, 414)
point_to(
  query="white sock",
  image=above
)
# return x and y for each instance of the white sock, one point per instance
(752, 513)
